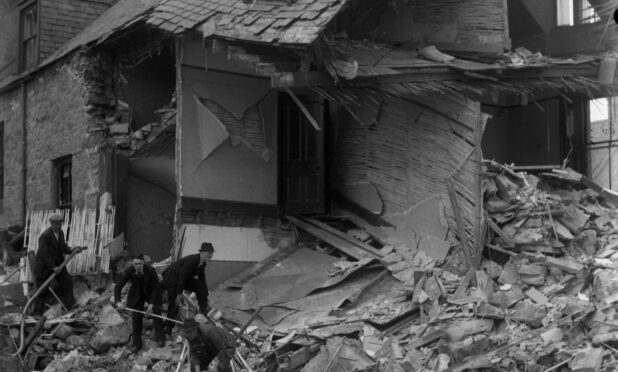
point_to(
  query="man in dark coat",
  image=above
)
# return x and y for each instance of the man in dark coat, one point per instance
(207, 342)
(49, 257)
(144, 288)
(181, 275)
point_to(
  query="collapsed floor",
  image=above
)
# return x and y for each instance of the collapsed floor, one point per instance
(349, 298)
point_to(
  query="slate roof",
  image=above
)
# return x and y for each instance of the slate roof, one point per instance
(265, 21)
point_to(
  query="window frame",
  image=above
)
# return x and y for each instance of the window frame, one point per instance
(57, 185)
(24, 62)
(577, 16)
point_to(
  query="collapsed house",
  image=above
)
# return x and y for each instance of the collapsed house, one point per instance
(253, 125)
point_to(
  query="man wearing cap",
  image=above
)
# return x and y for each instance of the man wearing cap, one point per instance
(49, 257)
(181, 275)
(144, 288)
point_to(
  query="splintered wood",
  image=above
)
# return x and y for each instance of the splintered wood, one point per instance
(82, 228)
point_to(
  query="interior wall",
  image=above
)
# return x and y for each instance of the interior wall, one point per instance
(534, 134)
(150, 218)
(149, 87)
(533, 25)
(416, 147)
(448, 24)
(495, 138)
(236, 248)
(233, 170)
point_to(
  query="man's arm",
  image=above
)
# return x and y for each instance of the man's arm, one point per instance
(121, 283)
(187, 271)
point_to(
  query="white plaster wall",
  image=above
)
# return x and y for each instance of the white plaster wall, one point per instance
(231, 243)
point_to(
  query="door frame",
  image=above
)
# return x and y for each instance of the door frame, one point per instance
(282, 147)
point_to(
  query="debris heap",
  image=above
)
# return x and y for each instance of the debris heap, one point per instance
(344, 299)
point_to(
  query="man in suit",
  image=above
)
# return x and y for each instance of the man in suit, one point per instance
(207, 342)
(144, 288)
(181, 275)
(49, 257)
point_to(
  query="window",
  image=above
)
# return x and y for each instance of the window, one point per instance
(575, 12)
(28, 37)
(61, 182)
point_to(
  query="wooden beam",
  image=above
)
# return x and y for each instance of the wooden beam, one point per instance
(340, 244)
(302, 108)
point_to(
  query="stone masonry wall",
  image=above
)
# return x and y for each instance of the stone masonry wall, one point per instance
(10, 114)
(59, 121)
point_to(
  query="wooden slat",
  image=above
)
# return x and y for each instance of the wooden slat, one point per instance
(364, 246)
(329, 238)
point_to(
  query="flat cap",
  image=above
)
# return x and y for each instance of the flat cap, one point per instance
(57, 217)
(206, 247)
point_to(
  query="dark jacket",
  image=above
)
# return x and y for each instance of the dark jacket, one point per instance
(50, 254)
(212, 338)
(144, 287)
(179, 272)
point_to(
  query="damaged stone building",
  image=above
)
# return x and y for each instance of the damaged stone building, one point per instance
(351, 127)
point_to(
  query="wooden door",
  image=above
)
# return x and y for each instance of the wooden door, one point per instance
(303, 160)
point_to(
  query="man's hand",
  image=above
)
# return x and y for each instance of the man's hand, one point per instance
(56, 269)
(120, 305)
(149, 309)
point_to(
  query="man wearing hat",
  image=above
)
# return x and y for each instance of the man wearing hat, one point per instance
(181, 275)
(50, 255)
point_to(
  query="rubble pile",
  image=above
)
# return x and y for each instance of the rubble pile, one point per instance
(95, 336)
(542, 298)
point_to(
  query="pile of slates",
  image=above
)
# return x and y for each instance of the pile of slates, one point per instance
(541, 300)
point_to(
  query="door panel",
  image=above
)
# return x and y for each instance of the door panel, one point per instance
(304, 157)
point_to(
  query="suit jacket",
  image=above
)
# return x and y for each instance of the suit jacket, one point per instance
(144, 288)
(50, 254)
(179, 272)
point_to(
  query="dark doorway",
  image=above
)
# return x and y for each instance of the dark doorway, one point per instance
(303, 156)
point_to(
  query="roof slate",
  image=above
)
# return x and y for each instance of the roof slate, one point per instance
(265, 21)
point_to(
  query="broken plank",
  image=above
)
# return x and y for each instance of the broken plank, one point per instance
(364, 246)
(342, 245)
(536, 296)
(304, 110)
(564, 264)
(431, 337)
(461, 230)
(377, 233)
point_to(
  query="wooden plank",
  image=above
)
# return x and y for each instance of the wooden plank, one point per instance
(461, 229)
(364, 246)
(331, 239)
(377, 233)
(302, 108)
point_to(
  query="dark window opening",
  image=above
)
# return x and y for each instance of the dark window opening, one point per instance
(28, 37)
(63, 182)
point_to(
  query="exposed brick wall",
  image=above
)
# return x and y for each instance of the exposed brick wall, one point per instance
(60, 20)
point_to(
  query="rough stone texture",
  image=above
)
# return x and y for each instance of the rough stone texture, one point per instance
(110, 336)
(605, 283)
(530, 313)
(108, 316)
(586, 242)
(56, 126)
